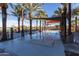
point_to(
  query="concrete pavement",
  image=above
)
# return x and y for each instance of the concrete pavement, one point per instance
(28, 47)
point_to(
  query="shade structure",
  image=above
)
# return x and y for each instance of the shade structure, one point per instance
(48, 18)
(53, 21)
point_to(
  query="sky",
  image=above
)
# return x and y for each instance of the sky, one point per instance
(49, 8)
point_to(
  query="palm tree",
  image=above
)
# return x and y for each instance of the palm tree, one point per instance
(75, 23)
(44, 24)
(4, 20)
(37, 20)
(44, 21)
(69, 19)
(31, 8)
(17, 11)
(62, 12)
(41, 14)
(75, 13)
(36, 24)
(58, 12)
(63, 21)
(23, 14)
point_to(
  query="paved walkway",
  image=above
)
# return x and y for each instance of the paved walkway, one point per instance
(73, 47)
(37, 46)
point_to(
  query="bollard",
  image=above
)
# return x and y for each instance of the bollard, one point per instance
(11, 33)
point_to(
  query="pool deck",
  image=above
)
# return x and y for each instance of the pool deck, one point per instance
(37, 46)
(73, 47)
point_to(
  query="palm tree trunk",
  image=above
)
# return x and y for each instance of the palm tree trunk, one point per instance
(40, 26)
(22, 28)
(22, 24)
(61, 26)
(4, 20)
(76, 24)
(45, 25)
(18, 24)
(69, 19)
(36, 24)
(40, 29)
(64, 24)
(30, 25)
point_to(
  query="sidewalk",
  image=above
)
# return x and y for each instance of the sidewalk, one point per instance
(73, 48)
(30, 47)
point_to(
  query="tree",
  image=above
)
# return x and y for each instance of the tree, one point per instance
(31, 7)
(63, 21)
(62, 12)
(69, 19)
(75, 13)
(36, 24)
(4, 20)
(58, 12)
(20, 12)
(41, 14)
(75, 23)
(22, 32)
(37, 20)
(17, 11)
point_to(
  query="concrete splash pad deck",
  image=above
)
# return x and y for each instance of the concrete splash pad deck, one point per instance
(26, 47)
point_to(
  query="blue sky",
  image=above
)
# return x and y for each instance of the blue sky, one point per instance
(48, 7)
